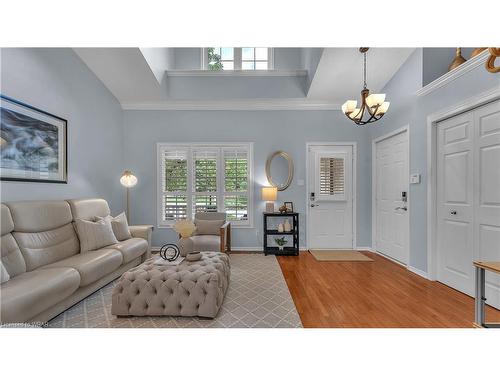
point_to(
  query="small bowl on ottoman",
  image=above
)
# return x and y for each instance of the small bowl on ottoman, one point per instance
(193, 256)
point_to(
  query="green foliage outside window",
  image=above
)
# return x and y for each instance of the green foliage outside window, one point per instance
(214, 60)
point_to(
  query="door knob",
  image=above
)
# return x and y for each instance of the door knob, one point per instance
(453, 212)
(314, 205)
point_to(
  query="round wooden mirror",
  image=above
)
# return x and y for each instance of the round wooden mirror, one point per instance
(279, 170)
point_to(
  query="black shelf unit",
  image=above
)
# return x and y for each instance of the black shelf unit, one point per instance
(294, 233)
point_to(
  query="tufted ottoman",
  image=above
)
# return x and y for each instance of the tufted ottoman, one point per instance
(189, 289)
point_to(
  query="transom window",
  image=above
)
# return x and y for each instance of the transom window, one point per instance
(204, 178)
(246, 58)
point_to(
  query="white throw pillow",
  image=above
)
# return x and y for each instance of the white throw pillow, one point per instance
(120, 226)
(94, 235)
(4, 275)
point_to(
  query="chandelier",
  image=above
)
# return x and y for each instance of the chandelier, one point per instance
(372, 107)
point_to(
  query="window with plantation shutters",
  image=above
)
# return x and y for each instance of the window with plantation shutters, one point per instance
(174, 182)
(331, 177)
(236, 184)
(204, 178)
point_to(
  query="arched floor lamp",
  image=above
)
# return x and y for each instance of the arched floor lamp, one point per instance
(128, 180)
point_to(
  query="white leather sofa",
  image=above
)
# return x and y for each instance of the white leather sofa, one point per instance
(40, 251)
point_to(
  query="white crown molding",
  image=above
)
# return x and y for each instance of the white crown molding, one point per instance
(234, 105)
(237, 73)
(452, 75)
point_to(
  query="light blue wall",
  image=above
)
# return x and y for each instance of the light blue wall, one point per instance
(437, 60)
(57, 81)
(406, 108)
(310, 58)
(269, 130)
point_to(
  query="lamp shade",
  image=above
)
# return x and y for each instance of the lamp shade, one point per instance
(128, 179)
(269, 193)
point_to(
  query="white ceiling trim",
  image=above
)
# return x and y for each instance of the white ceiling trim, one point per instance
(234, 105)
(237, 73)
(452, 75)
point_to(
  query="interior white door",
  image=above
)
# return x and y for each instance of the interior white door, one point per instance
(487, 198)
(468, 188)
(391, 209)
(455, 202)
(330, 207)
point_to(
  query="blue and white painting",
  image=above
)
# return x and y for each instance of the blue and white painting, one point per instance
(32, 144)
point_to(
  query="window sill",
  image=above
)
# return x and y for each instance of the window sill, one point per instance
(233, 226)
(237, 73)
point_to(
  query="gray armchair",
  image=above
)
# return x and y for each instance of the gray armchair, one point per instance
(213, 232)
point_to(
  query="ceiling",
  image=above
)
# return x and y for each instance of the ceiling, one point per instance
(339, 75)
(135, 78)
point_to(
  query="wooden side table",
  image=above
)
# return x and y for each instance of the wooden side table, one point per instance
(481, 268)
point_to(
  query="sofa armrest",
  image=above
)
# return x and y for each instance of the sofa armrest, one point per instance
(225, 237)
(143, 231)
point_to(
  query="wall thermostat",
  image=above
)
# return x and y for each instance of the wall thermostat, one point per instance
(415, 178)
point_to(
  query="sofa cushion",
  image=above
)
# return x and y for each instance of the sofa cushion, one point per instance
(91, 265)
(88, 209)
(206, 243)
(94, 235)
(119, 224)
(30, 293)
(39, 216)
(11, 256)
(131, 248)
(41, 248)
(4, 275)
(6, 223)
(208, 226)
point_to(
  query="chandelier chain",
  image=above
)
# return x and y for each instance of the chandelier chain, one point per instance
(364, 70)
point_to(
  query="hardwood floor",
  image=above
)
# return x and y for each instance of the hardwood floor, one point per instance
(373, 294)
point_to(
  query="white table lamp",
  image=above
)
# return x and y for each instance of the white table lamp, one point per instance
(269, 194)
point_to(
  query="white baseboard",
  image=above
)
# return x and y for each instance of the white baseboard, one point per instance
(247, 248)
(418, 272)
(365, 248)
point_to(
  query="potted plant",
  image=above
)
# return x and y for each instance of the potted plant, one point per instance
(281, 242)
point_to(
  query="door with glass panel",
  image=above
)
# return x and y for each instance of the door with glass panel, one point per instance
(330, 203)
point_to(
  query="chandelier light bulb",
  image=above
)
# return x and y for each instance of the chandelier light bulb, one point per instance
(374, 100)
(349, 106)
(383, 108)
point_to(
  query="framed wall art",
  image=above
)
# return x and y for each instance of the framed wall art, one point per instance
(33, 144)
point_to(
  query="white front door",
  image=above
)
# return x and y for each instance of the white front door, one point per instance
(391, 194)
(330, 205)
(468, 192)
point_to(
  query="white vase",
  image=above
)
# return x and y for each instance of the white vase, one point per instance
(287, 226)
(281, 228)
(185, 245)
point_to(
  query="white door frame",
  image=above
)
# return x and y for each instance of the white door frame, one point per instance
(354, 189)
(432, 120)
(401, 130)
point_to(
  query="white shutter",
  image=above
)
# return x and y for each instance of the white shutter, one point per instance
(330, 177)
(174, 176)
(205, 181)
(236, 175)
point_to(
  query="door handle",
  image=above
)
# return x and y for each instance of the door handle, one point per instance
(401, 208)
(314, 205)
(453, 212)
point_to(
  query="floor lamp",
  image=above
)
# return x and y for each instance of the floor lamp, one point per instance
(128, 180)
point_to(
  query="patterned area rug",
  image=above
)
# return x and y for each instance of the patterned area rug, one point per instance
(257, 297)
